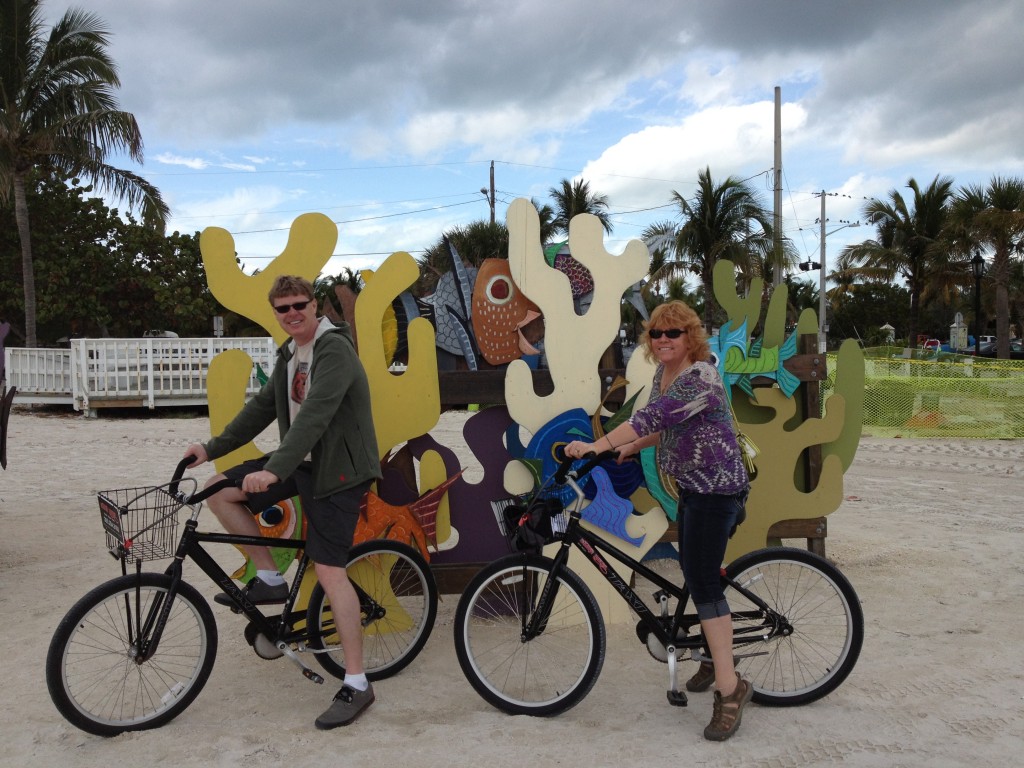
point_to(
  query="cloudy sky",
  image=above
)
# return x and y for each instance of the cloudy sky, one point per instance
(386, 115)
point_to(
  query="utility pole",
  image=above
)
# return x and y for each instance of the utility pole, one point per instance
(822, 326)
(777, 219)
(489, 194)
(822, 276)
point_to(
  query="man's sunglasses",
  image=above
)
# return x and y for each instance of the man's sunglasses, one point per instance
(298, 306)
(672, 333)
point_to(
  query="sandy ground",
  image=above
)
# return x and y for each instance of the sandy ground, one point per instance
(930, 534)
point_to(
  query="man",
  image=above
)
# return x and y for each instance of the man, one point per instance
(320, 397)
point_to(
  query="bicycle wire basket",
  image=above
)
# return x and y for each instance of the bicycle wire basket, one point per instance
(140, 523)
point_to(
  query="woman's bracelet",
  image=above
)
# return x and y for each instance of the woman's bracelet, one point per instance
(610, 446)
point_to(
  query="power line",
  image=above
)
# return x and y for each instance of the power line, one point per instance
(365, 218)
(307, 171)
(321, 208)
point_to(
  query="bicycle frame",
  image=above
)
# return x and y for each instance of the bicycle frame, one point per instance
(595, 549)
(278, 631)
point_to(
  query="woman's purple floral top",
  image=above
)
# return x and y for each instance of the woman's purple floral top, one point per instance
(699, 451)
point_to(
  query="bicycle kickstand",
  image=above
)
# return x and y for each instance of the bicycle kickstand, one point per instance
(307, 673)
(676, 697)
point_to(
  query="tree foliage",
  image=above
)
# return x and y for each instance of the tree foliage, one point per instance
(101, 274)
(721, 221)
(59, 113)
(572, 198)
(474, 242)
(911, 243)
(992, 217)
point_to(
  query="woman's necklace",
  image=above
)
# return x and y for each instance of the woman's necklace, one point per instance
(667, 377)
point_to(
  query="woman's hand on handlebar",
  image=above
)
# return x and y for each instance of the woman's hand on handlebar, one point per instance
(578, 449)
(626, 450)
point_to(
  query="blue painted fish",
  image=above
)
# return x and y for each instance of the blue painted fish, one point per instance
(739, 363)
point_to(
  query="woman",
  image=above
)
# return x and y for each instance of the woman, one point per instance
(689, 417)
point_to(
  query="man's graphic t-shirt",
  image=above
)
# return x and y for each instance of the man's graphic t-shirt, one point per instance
(299, 365)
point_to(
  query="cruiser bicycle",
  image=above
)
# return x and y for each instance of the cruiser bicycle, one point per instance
(136, 651)
(530, 637)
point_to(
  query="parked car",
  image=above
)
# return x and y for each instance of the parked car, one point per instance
(986, 349)
(1016, 349)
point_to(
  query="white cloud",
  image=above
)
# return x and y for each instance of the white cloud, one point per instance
(195, 163)
(731, 140)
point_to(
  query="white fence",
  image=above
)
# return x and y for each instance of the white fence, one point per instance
(151, 372)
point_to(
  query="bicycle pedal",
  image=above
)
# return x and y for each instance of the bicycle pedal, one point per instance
(309, 674)
(677, 698)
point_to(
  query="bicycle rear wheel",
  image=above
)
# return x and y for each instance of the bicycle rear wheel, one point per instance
(91, 670)
(398, 605)
(546, 674)
(818, 652)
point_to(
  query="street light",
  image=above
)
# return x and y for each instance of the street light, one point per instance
(490, 201)
(978, 270)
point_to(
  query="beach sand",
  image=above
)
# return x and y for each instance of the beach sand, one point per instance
(930, 534)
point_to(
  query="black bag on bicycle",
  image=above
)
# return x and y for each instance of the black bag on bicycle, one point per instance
(529, 528)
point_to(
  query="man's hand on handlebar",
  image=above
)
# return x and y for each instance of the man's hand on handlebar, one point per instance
(257, 482)
(198, 451)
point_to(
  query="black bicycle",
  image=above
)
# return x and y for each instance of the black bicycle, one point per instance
(136, 651)
(530, 637)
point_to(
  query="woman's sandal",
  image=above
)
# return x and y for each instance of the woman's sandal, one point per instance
(703, 677)
(728, 711)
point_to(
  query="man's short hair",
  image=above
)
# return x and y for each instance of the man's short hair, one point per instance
(290, 285)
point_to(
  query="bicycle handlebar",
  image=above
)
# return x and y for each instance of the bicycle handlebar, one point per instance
(204, 494)
(564, 468)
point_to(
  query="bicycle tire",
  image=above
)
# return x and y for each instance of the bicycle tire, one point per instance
(547, 674)
(399, 580)
(826, 618)
(91, 673)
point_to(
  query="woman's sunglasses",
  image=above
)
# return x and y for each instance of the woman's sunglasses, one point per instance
(298, 306)
(672, 333)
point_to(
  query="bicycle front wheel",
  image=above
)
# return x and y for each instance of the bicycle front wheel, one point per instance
(543, 675)
(397, 604)
(824, 625)
(92, 672)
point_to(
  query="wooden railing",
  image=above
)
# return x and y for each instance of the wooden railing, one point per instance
(104, 373)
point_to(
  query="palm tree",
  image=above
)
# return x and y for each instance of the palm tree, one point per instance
(911, 243)
(546, 214)
(573, 198)
(722, 221)
(58, 111)
(323, 288)
(993, 217)
(474, 242)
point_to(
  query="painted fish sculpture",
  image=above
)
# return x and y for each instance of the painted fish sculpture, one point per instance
(580, 279)
(500, 312)
(739, 363)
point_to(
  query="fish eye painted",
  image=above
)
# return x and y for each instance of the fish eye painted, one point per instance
(499, 290)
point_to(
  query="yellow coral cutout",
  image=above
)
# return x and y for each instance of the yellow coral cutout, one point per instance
(311, 242)
(389, 325)
(409, 404)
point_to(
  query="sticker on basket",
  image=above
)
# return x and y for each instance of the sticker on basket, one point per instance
(111, 517)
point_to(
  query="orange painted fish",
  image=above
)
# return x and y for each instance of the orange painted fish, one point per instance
(500, 311)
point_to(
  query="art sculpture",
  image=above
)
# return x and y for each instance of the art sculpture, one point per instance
(425, 497)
